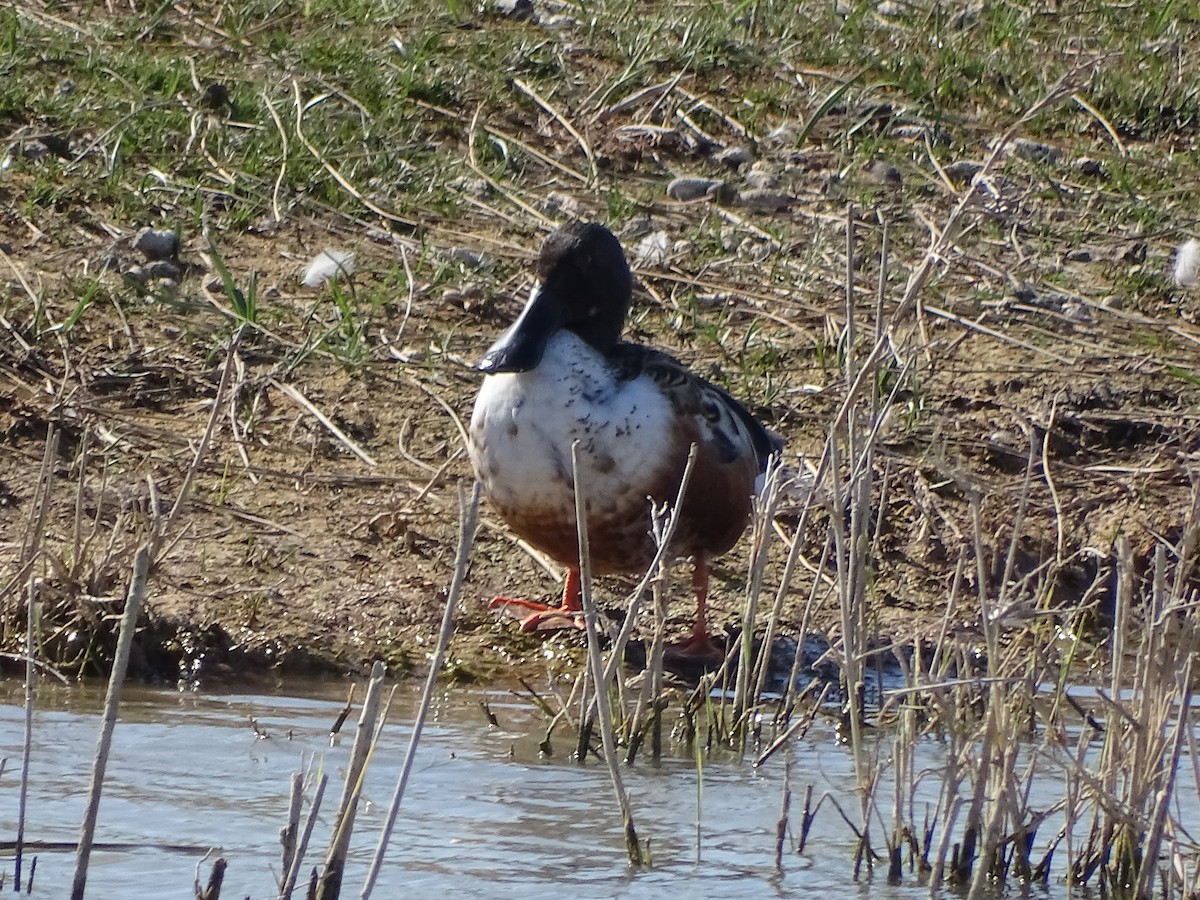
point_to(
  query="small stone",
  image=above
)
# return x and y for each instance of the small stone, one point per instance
(157, 243)
(966, 17)
(1085, 165)
(1079, 255)
(34, 150)
(168, 287)
(558, 203)
(1135, 253)
(886, 174)
(652, 250)
(137, 274)
(472, 259)
(1034, 151)
(266, 227)
(962, 170)
(687, 189)
(735, 157)
(1187, 264)
(1024, 293)
(782, 135)
(1078, 312)
(479, 188)
(762, 177)
(521, 10)
(328, 265)
(765, 201)
(163, 268)
(467, 297)
(757, 250)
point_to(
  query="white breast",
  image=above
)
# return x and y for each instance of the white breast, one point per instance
(524, 425)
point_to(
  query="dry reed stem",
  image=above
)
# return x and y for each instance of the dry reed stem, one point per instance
(112, 701)
(329, 884)
(32, 540)
(291, 831)
(596, 667)
(27, 735)
(293, 871)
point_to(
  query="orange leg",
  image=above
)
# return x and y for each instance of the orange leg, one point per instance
(698, 649)
(549, 618)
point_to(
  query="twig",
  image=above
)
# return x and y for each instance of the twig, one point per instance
(291, 831)
(301, 109)
(562, 120)
(307, 404)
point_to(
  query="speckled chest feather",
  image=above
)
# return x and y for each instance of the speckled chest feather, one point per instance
(633, 440)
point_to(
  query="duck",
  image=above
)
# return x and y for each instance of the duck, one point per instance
(561, 374)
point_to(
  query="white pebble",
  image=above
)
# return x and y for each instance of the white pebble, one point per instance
(1187, 264)
(328, 265)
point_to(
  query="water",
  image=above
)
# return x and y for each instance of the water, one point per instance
(484, 814)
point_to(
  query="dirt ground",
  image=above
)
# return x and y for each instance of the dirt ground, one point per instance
(293, 555)
(303, 550)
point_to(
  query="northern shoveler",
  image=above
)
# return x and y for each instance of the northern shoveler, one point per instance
(562, 374)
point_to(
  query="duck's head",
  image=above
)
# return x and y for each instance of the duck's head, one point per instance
(585, 286)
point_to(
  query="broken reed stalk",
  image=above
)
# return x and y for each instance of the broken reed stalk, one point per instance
(27, 742)
(212, 891)
(329, 884)
(851, 538)
(747, 683)
(596, 667)
(297, 860)
(133, 606)
(468, 520)
(291, 831)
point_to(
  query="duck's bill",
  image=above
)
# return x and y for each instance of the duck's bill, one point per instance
(521, 347)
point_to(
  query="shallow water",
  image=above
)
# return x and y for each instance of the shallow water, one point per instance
(484, 814)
